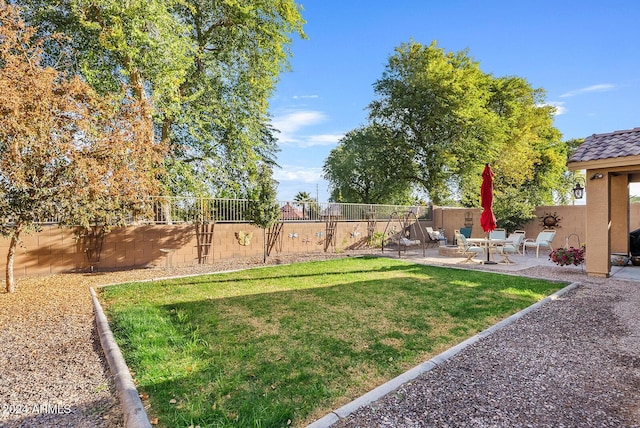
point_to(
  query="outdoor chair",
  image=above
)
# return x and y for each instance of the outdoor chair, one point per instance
(524, 236)
(510, 247)
(435, 237)
(466, 232)
(543, 240)
(466, 249)
(498, 234)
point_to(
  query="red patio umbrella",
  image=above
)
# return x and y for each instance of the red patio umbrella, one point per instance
(487, 219)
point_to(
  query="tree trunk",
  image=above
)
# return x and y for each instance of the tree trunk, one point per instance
(264, 247)
(11, 286)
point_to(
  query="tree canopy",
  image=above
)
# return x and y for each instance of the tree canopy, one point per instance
(448, 118)
(66, 152)
(208, 67)
(369, 166)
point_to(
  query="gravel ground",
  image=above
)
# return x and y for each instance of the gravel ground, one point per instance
(574, 362)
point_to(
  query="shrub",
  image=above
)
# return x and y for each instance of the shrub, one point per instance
(375, 241)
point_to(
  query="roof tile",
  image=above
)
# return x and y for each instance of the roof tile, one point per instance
(606, 146)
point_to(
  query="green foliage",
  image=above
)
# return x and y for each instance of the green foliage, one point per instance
(209, 68)
(66, 153)
(450, 118)
(308, 204)
(369, 166)
(263, 210)
(434, 102)
(302, 197)
(376, 240)
(265, 346)
(513, 210)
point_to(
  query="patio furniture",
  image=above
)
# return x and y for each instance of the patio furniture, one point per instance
(466, 232)
(510, 247)
(543, 240)
(435, 237)
(524, 236)
(498, 234)
(466, 249)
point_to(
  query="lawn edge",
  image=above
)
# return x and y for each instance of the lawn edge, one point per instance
(390, 386)
(134, 414)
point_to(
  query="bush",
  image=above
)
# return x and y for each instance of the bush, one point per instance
(567, 256)
(375, 241)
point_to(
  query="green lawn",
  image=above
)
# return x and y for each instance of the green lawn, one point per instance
(283, 345)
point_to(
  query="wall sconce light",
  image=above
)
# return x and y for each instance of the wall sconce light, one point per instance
(596, 176)
(578, 189)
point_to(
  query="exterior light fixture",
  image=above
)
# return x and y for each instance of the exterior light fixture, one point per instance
(596, 176)
(578, 189)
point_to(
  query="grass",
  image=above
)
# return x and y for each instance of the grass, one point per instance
(280, 346)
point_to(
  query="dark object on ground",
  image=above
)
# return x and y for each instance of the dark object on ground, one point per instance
(634, 242)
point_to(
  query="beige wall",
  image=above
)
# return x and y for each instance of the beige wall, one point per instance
(56, 249)
(572, 222)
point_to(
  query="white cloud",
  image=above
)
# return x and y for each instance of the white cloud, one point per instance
(290, 126)
(594, 88)
(298, 174)
(559, 105)
(300, 97)
(320, 140)
(292, 122)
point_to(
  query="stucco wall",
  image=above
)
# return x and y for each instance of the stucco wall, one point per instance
(55, 249)
(572, 222)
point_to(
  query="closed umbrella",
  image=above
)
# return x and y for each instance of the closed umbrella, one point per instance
(487, 219)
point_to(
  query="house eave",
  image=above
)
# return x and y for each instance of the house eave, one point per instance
(631, 162)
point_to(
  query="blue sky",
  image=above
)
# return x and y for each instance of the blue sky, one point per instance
(586, 55)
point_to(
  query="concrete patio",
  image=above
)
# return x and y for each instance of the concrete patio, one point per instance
(520, 262)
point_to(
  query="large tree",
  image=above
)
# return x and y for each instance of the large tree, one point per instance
(370, 166)
(66, 152)
(454, 118)
(435, 102)
(209, 66)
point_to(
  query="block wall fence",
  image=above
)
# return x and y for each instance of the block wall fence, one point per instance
(57, 250)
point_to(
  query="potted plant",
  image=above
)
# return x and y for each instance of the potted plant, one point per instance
(568, 256)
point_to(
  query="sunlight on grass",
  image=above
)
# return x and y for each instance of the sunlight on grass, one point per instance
(523, 293)
(466, 283)
(266, 346)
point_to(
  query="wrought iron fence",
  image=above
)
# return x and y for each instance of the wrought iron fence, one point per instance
(170, 210)
(177, 210)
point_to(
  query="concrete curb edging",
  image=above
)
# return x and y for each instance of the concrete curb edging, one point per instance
(384, 389)
(134, 414)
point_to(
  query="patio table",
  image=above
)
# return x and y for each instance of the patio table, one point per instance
(488, 244)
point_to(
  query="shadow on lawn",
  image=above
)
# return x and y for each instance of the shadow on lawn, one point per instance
(289, 272)
(264, 359)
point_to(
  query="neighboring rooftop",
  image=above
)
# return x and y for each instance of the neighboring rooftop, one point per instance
(288, 212)
(615, 144)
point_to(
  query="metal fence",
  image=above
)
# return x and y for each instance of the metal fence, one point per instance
(172, 210)
(178, 210)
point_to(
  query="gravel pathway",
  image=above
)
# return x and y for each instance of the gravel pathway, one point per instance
(573, 362)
